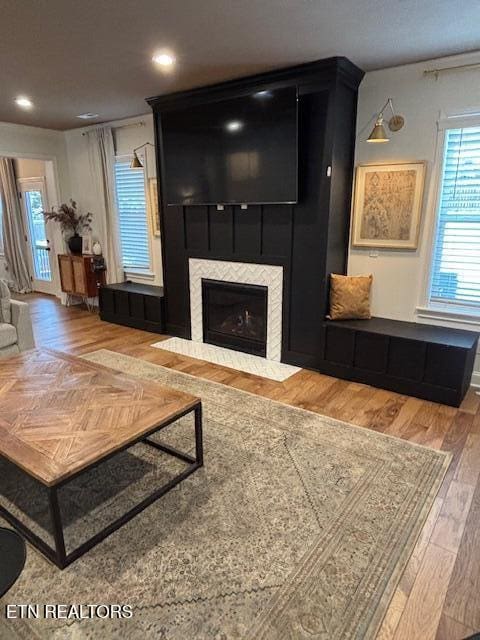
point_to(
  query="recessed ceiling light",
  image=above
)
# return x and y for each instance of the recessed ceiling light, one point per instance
(163, 59)
(263, 94)
(23, 102)
(87, 116)
(234, 125)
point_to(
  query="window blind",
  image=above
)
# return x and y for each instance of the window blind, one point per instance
(455, 277)
(132, 214)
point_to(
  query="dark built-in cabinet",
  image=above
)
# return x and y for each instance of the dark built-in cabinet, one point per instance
(434, 363)
(132, 304)
(309, 239)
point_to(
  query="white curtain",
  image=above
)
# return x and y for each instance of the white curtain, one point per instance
(101, 152)
(14, 239)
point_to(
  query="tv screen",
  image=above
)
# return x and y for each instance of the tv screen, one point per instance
(239, 151)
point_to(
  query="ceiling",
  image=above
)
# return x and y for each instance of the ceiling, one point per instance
(73, 57)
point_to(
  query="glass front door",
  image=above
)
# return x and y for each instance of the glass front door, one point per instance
(34, 203)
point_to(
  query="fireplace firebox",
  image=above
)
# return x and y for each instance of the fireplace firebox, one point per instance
(235, 315)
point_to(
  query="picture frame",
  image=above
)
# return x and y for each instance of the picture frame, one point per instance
(388, 203)
(153, 205)
(87, 244)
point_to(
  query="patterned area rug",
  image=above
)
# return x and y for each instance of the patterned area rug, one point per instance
(298, 526)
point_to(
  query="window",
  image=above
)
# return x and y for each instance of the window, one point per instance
(455, 275)
(132, 213)
(33, 201)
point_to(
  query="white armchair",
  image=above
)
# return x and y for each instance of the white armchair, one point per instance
(17, 335)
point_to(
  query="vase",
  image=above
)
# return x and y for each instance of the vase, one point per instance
(75, 243)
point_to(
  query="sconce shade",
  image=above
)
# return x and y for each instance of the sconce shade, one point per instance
(396, 122)
(378, 133)
(135, 163)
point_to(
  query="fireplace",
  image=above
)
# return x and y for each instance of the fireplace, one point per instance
(235, 315)
(260, 276)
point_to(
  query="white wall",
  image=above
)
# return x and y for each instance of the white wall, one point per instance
(18, 141)
(29, 168)
(400, 276)
(128, 134)
(70, 168)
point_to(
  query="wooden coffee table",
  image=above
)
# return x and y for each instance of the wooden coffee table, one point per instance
(60, 416)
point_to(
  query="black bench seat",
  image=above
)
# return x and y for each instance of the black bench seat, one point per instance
(430, 362)
(133, 304)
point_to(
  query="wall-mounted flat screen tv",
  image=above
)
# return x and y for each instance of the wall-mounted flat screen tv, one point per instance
(237, 151)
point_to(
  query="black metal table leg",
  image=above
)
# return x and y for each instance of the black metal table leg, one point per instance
(57, 527)
(198, 442)
(58, 554)
(198, 435)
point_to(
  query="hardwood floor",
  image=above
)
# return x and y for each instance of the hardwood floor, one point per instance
(438, 597)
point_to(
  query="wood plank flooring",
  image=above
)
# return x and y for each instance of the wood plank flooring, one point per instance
(438, 597)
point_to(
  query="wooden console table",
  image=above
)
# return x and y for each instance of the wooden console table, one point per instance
(78, 278)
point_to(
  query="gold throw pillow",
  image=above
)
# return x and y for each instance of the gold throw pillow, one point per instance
(350, 297)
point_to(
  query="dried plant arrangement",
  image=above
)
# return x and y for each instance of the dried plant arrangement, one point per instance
(69, 218)
(71, 222)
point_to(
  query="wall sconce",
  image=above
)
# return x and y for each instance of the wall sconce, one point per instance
(395, 123)
(136, 163)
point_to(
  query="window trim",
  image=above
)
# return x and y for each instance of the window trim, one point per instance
(428, 308)
(444, 314)
(136, 271)
(140, 273)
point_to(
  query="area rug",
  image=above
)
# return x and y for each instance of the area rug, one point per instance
(298, 526)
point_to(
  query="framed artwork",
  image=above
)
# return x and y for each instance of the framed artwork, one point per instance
(388, 205)
(153, 205)
(87, 248)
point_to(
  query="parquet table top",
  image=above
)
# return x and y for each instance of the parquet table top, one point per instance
(60, 414)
